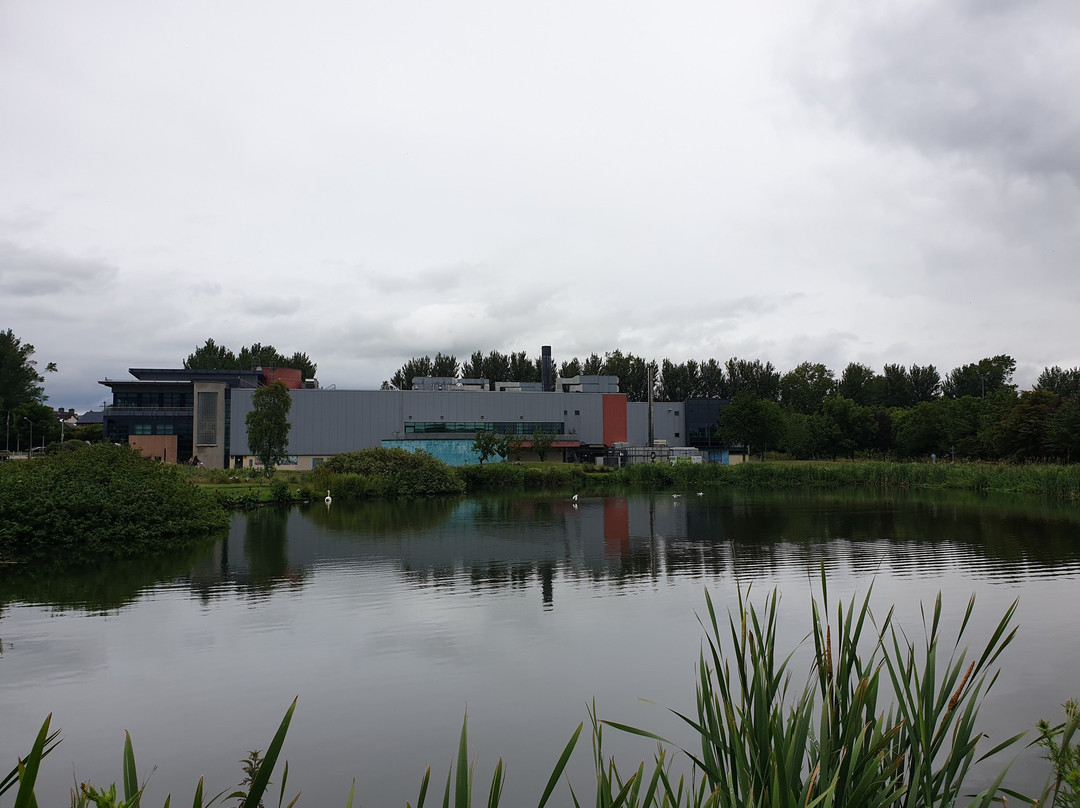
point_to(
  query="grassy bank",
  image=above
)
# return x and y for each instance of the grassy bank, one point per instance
(881, 721)
(1045, 479)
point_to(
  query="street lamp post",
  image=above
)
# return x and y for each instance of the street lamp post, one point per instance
(30, 448)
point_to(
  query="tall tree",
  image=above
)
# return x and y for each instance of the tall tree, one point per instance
(1060, 381)
(633, 373)
(20, 382)
(752, 422)
(473, 368)
(860, 384)
(211, 356)
(804, 388)
(984, 378)
(896, 388)
(568, 370)
(712, 381)
(760, 381)
(677, 382)
(853, 425)
(417, 367)
(522, 368)
(925, 382)
(593, 366)
(268, 425)
(445, 366)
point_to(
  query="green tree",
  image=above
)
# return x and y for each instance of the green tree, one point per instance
(919, 432)
(486, 445)
(568, 370)
(20, 382)
(759, 380)
(268, 425)
(633, 373)
(896, 387)
(1063, 430)
(712, 381)
(752, 422)
(981, 379)
(1060, 381)
(678, 382)
(860, 384)
(211, 356)
(417, 367)
(806, 437)
(445, 366)
(804, 388)
(851, 425)
(925, 382)
(542, 441)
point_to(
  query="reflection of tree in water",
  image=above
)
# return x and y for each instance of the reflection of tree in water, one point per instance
(382, 516)
(103, 586)
(266, 549)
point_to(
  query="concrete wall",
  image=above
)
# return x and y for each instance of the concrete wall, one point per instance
(211, 455)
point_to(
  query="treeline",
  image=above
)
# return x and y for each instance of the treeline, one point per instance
(212, 356)
(973, 412)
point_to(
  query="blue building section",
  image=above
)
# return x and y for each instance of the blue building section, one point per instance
(451, 452)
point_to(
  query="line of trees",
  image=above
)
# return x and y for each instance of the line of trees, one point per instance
(211, 356)
(974, 411)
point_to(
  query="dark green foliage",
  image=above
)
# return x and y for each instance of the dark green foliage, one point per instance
(512, 477)
(212, 356)
(385, 472)
(104, 500)
(20, 382)
(983, 378)
(268, 425)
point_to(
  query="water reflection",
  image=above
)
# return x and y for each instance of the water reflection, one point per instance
(506, 542)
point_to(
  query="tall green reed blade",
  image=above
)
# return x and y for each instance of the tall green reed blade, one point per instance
(132, 792)
(51, 741)
(463, 774)
(27, 771)
(262, 779)
(560, 766)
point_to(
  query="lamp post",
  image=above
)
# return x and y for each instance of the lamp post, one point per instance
(30, 447)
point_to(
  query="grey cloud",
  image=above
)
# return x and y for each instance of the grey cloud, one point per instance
(32, 273)
(993, 80)
(436, 279)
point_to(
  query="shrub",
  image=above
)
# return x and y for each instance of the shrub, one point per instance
(100, 500)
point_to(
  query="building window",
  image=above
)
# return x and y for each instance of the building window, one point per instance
(143, 429)
(206, 425)
(577, 412)
(676, 434)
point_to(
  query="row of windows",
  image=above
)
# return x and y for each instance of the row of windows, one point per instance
(472, 427)
(172, 400)
(152, 429)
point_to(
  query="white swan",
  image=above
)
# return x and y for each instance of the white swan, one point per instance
(574, 498)
(328, 499)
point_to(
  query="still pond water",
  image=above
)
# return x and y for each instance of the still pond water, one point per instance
(390, 620)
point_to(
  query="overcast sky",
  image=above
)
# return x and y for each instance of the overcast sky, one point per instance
(835, 181)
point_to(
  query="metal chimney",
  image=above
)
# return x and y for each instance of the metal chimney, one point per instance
(545, 369)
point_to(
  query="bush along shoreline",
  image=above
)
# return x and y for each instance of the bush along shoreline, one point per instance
(882, 721)
(99, 501)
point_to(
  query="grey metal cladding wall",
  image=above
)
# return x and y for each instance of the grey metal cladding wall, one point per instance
(327, 422)
(665, 422)
(425, 406)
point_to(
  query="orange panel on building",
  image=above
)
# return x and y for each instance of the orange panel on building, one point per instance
(614, 418)
(293, 379)
(159, 447)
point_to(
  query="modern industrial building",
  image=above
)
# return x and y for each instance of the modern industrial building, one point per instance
(183, 416)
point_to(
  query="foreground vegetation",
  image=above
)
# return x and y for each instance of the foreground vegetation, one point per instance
(882, 721)
(100, 500)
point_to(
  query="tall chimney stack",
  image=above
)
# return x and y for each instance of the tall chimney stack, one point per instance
(545, 369)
